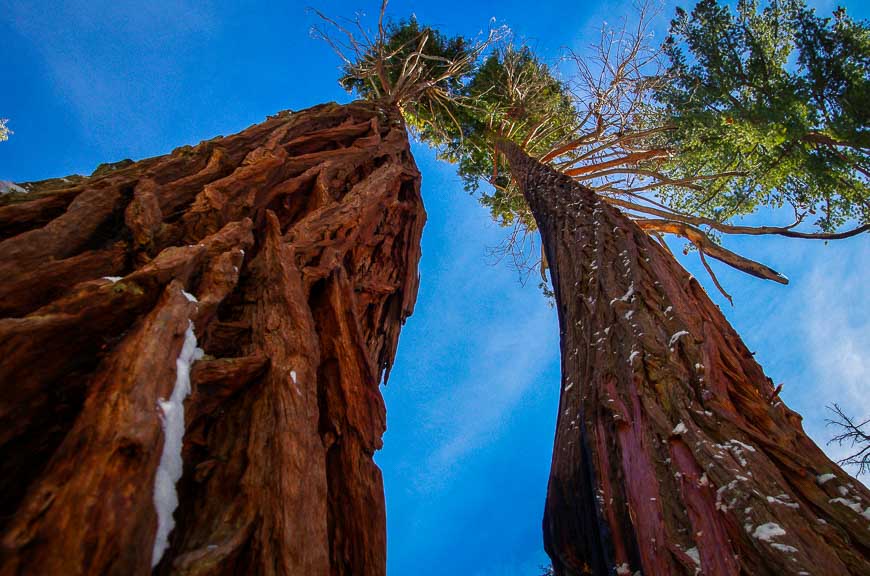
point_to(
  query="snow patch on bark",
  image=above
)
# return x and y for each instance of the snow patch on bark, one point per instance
(855, 506)
(171, 466)
(783, 499)
(676, 337)
(743, 445)
(7, 187)
(768, 532)
(679, 429)
(625, 297)
(112, 279)
(783, 548)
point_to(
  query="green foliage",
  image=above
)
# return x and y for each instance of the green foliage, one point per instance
(760, 106)
(514, 96)
(4, 130)
(460, 101)
(417, 67)
(778, 95)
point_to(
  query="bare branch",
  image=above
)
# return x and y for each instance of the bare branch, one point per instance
(852, 434)
(704, 244)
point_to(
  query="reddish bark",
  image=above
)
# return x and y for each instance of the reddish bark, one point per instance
(300, 238)
(670, 442)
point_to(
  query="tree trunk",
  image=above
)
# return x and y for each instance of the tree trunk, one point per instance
(299, 240)
(673, 454)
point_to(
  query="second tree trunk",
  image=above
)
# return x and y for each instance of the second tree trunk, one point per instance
(672, 453)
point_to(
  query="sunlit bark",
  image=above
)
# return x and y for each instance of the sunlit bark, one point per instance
(299, 240)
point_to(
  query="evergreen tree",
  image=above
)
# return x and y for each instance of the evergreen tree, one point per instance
(684, 148)
(777, 94)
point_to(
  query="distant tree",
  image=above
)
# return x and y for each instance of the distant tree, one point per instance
(4, 130)
(853, 433)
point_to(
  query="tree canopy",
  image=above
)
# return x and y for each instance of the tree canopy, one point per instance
(778, 95)
(759, 106)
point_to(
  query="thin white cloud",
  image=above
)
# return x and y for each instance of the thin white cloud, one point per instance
(836, 340)
(105, 58)
(482, 340)
(513, 358)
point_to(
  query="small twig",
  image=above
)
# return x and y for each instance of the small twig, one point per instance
(713, 276)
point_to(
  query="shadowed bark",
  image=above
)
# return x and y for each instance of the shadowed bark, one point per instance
(299, 239)
(673, 454)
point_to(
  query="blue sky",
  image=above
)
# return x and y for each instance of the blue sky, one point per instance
(472, 399)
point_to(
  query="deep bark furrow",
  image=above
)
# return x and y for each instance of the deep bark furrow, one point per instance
(667, 422)
(299, 240)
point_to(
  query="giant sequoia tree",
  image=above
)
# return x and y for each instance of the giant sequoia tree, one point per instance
(673, 453)
(267, 273)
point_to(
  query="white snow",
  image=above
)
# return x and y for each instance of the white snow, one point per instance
(768, 531)
(632, 356)
(736, 448)
(623, 569)
(739, 443)
(694, 555)
(112, 279)
(783, 499)
(854, 505)
(625, 296)
(190, 297)
(170, 468)
(293, 375)
(676, 337)
(679, 429)
(569, 386)
(783, 547)
(6, 187)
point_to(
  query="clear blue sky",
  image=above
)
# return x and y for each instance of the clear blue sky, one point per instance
(472, 399)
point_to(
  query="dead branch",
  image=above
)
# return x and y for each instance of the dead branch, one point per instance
(851, 433)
